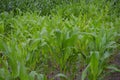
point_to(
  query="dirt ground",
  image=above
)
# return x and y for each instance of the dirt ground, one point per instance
(111, 76)
(115, 75)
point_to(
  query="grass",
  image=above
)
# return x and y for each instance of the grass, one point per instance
(61, 45)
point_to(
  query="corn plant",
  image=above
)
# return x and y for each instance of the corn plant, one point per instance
(75, 42)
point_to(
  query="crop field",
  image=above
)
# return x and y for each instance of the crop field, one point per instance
(60, 40)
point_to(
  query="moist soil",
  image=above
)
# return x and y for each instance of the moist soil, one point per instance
(115, 75)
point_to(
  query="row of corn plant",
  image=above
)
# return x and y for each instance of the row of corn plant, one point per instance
(70, 47)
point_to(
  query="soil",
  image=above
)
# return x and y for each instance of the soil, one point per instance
(111, 76)
(115, 75)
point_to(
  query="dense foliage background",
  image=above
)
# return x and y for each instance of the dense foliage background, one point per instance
(59, 39)
(44, 6)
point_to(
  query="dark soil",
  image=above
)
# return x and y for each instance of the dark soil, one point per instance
(115, 75)
(112, 76)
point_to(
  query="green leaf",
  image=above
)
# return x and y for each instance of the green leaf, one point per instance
(61, 75)
(84, 73)
(112, 67)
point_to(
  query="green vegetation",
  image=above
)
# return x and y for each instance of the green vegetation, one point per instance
(60, 39)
